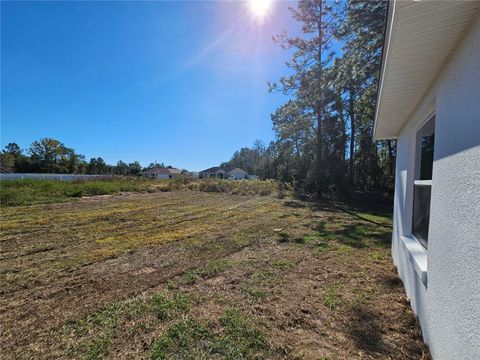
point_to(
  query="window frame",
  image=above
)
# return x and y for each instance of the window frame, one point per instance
(417, 175)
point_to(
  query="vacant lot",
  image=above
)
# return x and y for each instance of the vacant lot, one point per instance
(198, 275)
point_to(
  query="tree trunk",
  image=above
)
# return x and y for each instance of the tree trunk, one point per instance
(319, 110)
(352, 136)
(391, 159)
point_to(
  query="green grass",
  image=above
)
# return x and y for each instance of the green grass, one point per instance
(98, 348)
(330, 297)
(166, 308)
(215, 267)
(376, 256)
(105, 324)
(212, 268)
(185, 339)
(240, 338)
(189, 278)
(237, 338)
(282, 263)
(254, 294)
(27, 192)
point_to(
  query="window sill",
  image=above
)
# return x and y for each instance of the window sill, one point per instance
(418, 256)
(423, 182)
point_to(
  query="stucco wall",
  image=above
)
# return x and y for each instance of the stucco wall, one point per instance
(448, 304)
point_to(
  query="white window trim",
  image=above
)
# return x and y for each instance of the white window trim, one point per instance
(418, 256)
(422, 182)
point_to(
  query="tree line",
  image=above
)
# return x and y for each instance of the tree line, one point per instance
(324, 133)
(52, 156)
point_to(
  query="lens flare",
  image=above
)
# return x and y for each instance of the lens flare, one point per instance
(259, 8)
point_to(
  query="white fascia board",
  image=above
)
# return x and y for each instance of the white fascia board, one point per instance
(385, 62)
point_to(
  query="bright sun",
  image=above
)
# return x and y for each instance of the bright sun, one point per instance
(259, 8)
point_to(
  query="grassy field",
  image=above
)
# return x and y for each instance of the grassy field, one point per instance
(28, 192)
(194, 275)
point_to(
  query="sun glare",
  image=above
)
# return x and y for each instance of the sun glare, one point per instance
(259, 8)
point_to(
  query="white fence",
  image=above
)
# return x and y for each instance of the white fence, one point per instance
(61, 177)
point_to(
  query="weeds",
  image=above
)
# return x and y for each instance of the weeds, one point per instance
(254, 294)
(185, 339)
(27, 192)
(165, 308)
(376, 256)
(321, 247)
(98, 348)
(283, 237)
(265, 277)
(188, 338)
(240, 340)
(215, 267)
(242, 187)
(344, 249)
(106, 323)
(330, 297)
(282, 263)
(189, 278)
(287, 286)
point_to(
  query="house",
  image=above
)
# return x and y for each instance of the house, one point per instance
(161, 173)
(429, 100)
(194, 175)
(214, 172)
(237, 174)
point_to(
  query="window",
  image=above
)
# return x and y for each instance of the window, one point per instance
(423, 181)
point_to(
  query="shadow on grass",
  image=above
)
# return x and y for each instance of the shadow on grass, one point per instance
(365, 330)
(363, 218)
(353, 211)
(356, 235)
(391, 282)
(369, 228)
(295, 204)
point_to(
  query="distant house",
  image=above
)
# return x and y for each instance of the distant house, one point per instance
(429, 101)
(214, 172)
(237, 174)
(191, 174)
(161, 173)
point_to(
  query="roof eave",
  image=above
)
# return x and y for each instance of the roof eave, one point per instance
(386, 44)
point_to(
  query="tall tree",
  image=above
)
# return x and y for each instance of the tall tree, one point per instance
(362, 35)
(7, 162)
(12, 149)
(312, 53)
(13, 159)
(121, 168)
(52, 156)
(134, 168)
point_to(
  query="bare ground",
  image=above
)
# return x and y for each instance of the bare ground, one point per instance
(254, 277)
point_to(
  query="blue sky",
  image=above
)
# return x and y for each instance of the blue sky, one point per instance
(182, 83)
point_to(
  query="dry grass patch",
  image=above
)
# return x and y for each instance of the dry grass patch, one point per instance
(194, 275)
